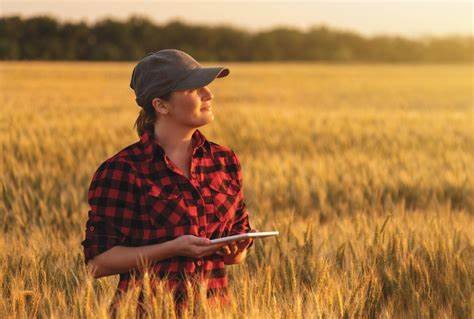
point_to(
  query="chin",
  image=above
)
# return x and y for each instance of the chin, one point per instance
(204, 121)
(210, 120)
(209, 117)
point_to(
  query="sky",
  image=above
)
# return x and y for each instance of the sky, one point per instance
(369, 18)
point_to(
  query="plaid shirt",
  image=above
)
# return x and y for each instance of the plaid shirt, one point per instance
(140, 197)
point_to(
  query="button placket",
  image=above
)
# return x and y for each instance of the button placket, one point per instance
(197, 187)
(200, 262)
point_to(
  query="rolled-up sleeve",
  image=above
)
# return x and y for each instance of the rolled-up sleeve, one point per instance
(113, 204)
(241, 222)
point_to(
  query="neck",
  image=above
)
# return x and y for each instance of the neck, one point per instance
(174, 139)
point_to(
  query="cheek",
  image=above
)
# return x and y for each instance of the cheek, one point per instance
(187, 108)
(190, 103)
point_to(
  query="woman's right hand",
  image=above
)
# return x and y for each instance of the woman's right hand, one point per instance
(196, 247)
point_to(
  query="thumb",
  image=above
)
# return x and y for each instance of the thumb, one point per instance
(203, 241)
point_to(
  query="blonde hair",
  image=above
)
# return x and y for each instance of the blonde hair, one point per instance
(148, 116)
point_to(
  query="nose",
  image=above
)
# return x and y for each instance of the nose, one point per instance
(206, 93)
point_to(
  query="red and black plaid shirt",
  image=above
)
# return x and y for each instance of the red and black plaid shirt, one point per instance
(140, 197)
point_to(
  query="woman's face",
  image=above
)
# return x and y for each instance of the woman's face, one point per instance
(191, 107)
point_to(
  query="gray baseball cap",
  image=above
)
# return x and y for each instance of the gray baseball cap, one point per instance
(168, 70)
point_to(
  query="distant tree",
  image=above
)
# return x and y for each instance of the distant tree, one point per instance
(144, 36)
(39, 39)
(10, 38)
(44, 38)
(76, 41)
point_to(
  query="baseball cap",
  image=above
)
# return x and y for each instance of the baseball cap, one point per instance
(168, 70)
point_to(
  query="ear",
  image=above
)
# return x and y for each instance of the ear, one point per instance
(159, 106)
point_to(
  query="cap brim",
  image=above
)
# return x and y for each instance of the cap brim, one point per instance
(200, 77)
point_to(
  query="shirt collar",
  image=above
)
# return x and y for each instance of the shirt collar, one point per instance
(152, 147)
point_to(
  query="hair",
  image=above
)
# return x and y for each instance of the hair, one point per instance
(148, 116)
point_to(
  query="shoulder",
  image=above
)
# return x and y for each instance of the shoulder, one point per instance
(222, 152)
(131, 154)
(227, 159)
(121, 165)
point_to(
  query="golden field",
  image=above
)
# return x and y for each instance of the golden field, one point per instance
(366, 171)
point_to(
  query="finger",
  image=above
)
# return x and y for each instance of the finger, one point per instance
(219, 245)
(234, 248)
(202, 241)
(227, 250)
(217, 248)
(230, 248)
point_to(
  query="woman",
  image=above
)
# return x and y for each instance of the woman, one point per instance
(156, 204)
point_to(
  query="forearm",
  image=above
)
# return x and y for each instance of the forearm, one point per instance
(120, 259)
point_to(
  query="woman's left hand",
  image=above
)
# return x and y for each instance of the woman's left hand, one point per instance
(234, 249)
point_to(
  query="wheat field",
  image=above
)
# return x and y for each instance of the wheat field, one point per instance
(366, 171)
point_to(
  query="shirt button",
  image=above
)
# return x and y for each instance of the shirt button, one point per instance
(91, 228)
(199, 262)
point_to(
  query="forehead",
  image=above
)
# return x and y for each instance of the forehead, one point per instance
(178, 93)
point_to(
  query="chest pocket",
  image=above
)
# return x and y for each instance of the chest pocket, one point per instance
(167, 207)
(224, 197)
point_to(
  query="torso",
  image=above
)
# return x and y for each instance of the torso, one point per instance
(211, 216)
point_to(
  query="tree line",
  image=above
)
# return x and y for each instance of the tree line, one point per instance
(45, 38)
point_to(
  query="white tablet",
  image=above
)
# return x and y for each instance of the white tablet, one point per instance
(244, 236)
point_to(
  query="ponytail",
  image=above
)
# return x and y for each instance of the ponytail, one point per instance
(146, 120)
(147, 117)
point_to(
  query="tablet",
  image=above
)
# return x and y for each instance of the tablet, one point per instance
(260, 234)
